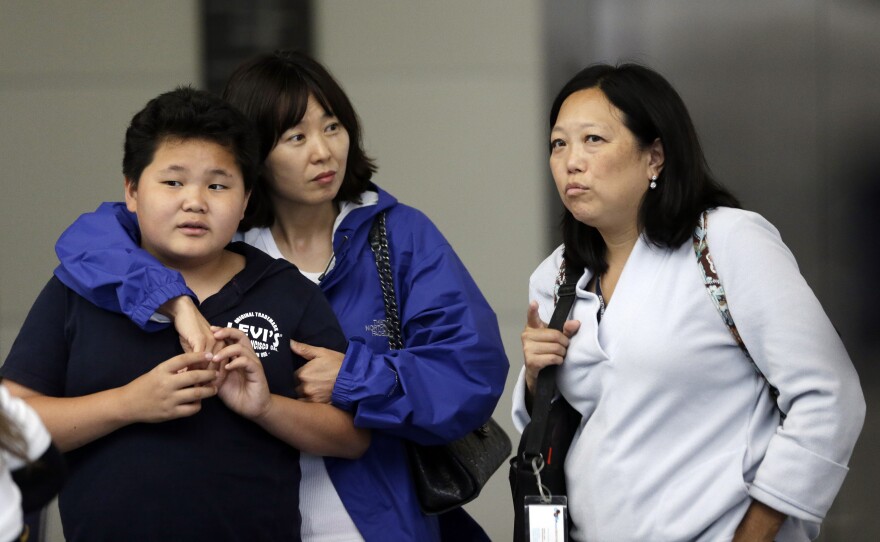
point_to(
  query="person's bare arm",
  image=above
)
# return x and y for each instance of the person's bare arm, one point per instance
(315, 428)
(162, 394)
(194, 330)
(760, 524)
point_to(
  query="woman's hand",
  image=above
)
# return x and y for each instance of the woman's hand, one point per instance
(760, 524)
(242, 382)
(195, 332)
(173, 389)
(543, 346)
(318, 376)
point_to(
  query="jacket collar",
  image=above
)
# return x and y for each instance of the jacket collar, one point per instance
(353, 232)
(361, 216)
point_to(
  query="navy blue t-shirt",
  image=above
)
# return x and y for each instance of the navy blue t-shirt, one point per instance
(213, 476)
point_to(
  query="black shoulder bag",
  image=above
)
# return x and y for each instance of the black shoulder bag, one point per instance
(537, 467)
(446, 476)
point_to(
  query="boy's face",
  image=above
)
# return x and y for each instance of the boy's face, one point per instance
(188, 201)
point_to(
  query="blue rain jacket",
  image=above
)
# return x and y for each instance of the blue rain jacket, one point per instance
(445, 383)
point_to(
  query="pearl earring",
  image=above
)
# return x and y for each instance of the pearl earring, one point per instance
(653, 184)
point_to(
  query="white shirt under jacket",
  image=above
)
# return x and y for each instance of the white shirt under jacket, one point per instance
(679, 431)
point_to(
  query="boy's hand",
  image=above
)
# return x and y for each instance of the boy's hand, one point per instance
(318, 376)
(195, 332)
(173, 389)
(243, 385)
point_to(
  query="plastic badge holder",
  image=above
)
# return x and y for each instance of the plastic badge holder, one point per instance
(546, 518)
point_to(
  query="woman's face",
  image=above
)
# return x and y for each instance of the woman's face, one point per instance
(600, 171)
(307, 165)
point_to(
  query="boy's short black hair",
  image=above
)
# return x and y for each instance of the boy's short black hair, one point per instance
(186, 113)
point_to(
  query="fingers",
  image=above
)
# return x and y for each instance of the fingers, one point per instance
(309, 394)
(541, 354)
(302, 390)
(232, 343)
(305, 351)
(248, 365)
(533, 320)
(191, 370)
(244, 389)
(196, 378)
(187, 401)
(542, 346)
(232, 352)
(167, 391)
(186, 409)
(230, 335)
(186, 361)
(200, 343)
(196, 344)
(570, 327)
(532, 337)
(216, 347)
(237, 355)
(318, 375)
(193, 394)
(188, 347)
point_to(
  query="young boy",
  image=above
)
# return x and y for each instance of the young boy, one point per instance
(153, 454)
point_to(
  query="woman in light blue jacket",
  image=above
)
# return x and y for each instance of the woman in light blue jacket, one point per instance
(684, 437)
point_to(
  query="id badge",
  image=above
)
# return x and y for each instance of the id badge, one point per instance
(546, 520)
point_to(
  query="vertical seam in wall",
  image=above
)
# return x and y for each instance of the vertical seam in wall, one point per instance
(824, 204)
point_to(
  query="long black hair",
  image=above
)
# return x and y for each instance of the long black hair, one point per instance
(651, 110)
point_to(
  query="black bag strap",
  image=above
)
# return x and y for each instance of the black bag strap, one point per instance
(545, 389)
(379, 246)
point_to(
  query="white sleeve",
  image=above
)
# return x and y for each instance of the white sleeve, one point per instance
(797, 349)
(27, 421)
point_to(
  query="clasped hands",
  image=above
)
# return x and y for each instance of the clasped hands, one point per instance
(317, 376)
(176, 387)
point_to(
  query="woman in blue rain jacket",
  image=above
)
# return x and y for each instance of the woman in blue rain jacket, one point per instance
(316, 181)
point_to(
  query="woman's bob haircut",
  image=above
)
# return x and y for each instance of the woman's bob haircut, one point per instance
(651, 110)
(273, 90)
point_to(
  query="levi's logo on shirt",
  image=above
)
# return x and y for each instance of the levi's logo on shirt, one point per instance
(261, 329)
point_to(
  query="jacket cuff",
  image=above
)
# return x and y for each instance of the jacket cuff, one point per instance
(781, 482)
(142, 314)
(358, 379)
